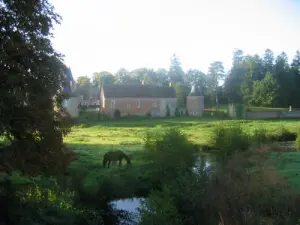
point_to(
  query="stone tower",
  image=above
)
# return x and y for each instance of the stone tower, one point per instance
(195, 102)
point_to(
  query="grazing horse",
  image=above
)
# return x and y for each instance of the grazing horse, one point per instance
(115, 156)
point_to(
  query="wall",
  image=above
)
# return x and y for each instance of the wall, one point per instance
(128, 106)
(195, 105)
(71, 106)
(272, 114)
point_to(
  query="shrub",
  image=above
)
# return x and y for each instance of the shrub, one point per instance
(170, 151)
(282, 134)
(298, 142)
(243, 195)
(168, 113)
(177, 113)
(259, 135)
(159, 208)
(117, 114)
(186, 112)
(148, 114)
(230, 139)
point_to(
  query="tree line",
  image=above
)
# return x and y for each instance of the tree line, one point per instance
(175, 76)
(252, 80)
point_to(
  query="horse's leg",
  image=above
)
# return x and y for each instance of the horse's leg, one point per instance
(108, 165)
(120, 161)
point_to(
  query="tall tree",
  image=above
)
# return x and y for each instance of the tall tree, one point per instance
(122, 76)
(103, 77)
(216, 73)
(162, 76)
(295, 71)
(268, 60)
(284, 79)
(265, 91)
(235, 78)
(84, 86)
(31, 76)
(175, 74)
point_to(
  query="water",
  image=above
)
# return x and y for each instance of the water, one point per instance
(132, 204)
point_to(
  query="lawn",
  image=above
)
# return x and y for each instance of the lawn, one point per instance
(91, 141)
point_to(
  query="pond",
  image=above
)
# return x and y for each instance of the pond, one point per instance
(132, 204)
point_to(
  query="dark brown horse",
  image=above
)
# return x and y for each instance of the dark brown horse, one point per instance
(115, 156)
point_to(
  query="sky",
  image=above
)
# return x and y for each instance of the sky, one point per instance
(97, 35)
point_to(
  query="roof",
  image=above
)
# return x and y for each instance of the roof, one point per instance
(69, 79)
(93, 93)
(195, 91)
(138, 91)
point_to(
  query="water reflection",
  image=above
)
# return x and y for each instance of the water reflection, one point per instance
(130, 205)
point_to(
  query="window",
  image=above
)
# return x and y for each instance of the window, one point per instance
(128, 106)
(112, 104)
(138, 104)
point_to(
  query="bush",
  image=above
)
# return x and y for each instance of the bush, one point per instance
(170, 151)
(168, 113)
(230, 139)
(159, 208)
(148, 114)
(243, 195)
(282, 134)
(259, 135)
(117, 114)
(186, 112)
(298, 142)
(177, 113)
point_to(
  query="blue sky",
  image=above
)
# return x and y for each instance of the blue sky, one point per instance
(98, 35)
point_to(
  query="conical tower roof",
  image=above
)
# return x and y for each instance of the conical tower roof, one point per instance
(195, 91)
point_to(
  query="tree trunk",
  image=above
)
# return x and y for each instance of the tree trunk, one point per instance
(217, 99)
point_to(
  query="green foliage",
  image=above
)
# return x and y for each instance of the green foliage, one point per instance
(117, 114)
(186, 112)
(215, 74)
(181, 96)
(159, 208)
(282, 134)
(175, 73)
(198, 78)
(168, 113)
(165, 149)
(148, 114)
(240, 110)
(298, 142)
(230, 139)
(32, 74)
(177, 113)
(102, 78)
(265, 91)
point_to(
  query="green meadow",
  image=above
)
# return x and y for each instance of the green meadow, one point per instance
(92, 141)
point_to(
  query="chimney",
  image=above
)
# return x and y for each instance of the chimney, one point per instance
(143, 82)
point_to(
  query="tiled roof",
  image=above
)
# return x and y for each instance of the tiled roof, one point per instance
(138, 91)
(69, 79)
(93, 93)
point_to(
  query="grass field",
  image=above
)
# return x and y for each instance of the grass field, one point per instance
(90, 142)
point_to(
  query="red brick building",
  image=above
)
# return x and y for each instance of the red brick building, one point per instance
(138, 99)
